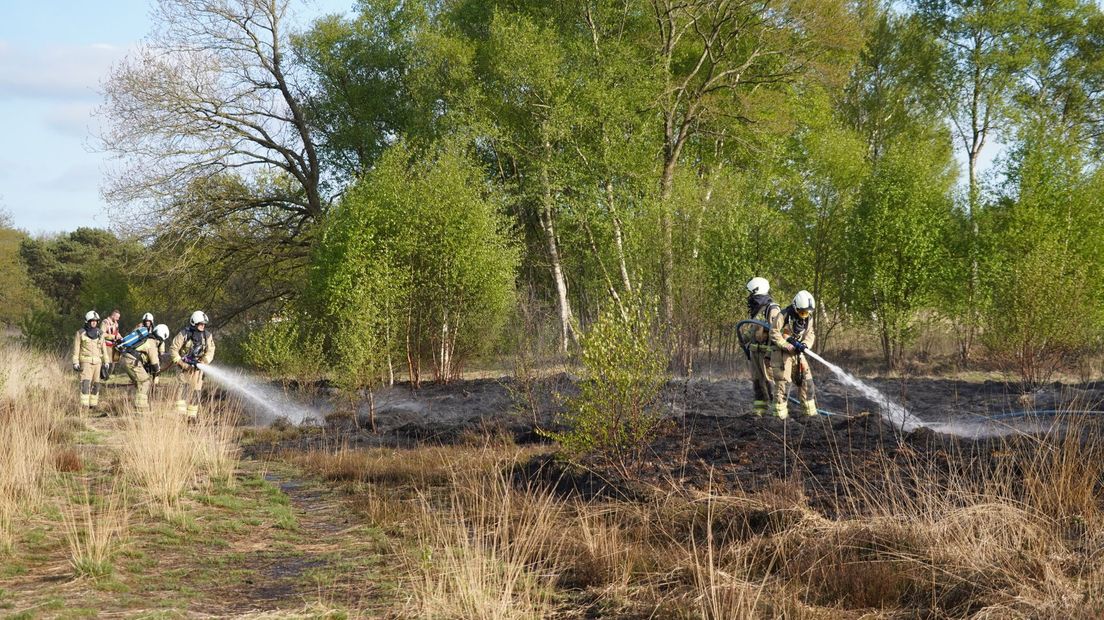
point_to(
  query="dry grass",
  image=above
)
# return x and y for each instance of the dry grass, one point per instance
(67, 460)
(32, 406)
(95, 534)
(402, 467)
(165, 455)
(159, 456)
(1017, 536)
(492, 551)
(216, 438)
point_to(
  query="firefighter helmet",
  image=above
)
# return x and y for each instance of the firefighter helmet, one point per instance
(161, 332)
(758, 286)
(804, 301)
(198, 317)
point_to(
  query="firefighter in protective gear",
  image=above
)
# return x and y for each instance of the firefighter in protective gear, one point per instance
(143, 363)
(110, 328)
(90, 353)
(791, 333)
(759, 306)
(147, 322)
(192, 345)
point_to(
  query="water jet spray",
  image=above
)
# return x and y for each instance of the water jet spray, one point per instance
(272, 402)
(895, 414)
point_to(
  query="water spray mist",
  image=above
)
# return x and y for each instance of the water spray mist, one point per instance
(269, 401)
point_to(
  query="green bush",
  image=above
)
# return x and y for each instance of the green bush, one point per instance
(417, 256)
(46, 330)
(284, 350)
(616, 414)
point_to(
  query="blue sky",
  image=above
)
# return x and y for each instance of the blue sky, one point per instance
(53, 56)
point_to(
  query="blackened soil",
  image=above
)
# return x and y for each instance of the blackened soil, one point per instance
(710, 441)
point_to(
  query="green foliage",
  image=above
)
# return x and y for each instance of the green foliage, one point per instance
(1043, 264)
(18, 295)
(87, 269)
(616, 414)
(44, 329)
(285, 349)
(898, 238)
(359, 64)
(417, 255)
(631, 153)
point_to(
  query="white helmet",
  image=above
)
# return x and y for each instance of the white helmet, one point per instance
(198, 317)
(758, 286)
(161, 331)
(804, 301)
(91, 315)
(147, 317)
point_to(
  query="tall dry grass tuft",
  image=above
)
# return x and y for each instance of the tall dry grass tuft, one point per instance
(158, 454)
(165, 455)
(1002, 528)
(492, 551)
(723, 589)
(216, 435)
(27, 372)
(94, 535)
(1063, 478)
(33, 402)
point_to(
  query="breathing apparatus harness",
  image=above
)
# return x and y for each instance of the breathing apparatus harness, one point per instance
(759, 308)
(797, 327)
(197, 343)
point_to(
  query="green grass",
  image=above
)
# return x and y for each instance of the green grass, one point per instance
(90, 437)
(284, 518)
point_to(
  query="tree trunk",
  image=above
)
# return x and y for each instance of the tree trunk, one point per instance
(618, 239)
(666, 184)
(547, 222)
(966, 335)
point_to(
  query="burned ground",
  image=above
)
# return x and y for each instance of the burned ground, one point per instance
(837, 461)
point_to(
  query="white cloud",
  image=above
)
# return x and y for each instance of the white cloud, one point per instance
(55, 72)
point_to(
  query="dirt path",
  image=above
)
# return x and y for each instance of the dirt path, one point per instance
(272, 543)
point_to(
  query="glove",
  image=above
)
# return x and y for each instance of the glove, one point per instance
(799, 347)
(105, 372)
(76, 367)
(155, 369)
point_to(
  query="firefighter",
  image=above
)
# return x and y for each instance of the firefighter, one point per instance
(791, 333)
(759, 306)
(90, 354)
(110, 326)
(192, 345)
(147, 322)
(142, 363)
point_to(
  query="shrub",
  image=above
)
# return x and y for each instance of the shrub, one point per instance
(283, 349)
(615, 415)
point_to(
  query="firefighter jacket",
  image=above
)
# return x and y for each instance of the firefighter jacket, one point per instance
(89, 345)
(785, 323)
(144, 353)
(190, 341)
